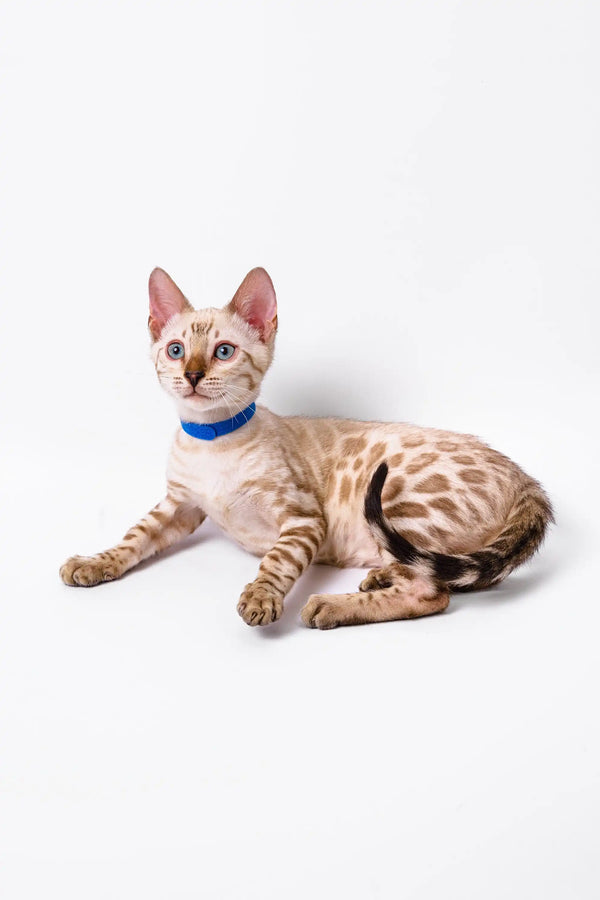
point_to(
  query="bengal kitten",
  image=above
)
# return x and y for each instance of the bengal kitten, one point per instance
(431, 511)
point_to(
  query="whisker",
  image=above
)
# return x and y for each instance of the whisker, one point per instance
(234, 389)
(226, 401)
(236, 394)
(234, 404)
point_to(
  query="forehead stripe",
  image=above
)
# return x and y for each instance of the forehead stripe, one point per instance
(202, 327)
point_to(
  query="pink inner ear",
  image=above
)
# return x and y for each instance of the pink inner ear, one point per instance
(166, 301)
(258, 311)
(256, 303)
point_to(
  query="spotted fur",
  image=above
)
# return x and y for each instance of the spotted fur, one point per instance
(519, 539)
(430, 511)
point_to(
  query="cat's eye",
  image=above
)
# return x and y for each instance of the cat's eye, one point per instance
(175, 350)
(224, 351)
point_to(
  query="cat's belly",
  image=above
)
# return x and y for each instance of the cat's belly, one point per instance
(249, 520)
(349, 543)
(352, 555)
(247, 517)
(233, 503)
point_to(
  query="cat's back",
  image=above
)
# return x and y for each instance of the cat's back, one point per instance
(356, 448)
(446, 491)
(350, 444)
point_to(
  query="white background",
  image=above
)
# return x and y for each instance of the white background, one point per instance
(421, 181)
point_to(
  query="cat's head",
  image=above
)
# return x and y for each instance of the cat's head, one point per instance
(212, 361)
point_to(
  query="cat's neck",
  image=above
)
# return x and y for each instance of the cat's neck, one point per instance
(189, 413)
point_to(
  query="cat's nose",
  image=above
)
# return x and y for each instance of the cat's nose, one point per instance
(194, 377)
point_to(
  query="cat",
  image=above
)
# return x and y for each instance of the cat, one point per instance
(428, 511)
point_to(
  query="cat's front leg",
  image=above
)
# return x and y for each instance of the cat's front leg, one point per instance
(262, 601)
(168, 522)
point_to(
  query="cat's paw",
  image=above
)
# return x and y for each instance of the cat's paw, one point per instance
(387, 576)
(377, 579)
(85, 571)
(259, 605)
(323, 611)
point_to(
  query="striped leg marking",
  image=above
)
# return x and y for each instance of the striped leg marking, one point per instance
(417, 598)
(167, 523)
(262, 601)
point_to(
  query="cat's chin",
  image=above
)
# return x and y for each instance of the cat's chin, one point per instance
(197, 401)
(192, 398)
(197, 408)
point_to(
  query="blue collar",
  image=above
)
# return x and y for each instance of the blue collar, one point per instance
(216, 429)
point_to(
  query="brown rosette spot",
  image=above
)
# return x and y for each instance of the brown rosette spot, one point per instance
(448, 507)
(354, 445)
(473, 476)
(421, 462)
(433, 484)
(407, 510)
(392, 488)
(463, 460)
(447, 446)
(345, 488)
(376, 452)
(360, 485)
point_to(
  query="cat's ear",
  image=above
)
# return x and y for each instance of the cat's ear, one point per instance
(166, 301)
(256, 303)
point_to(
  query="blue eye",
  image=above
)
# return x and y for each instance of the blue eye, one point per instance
(224, 351)
(175, 350)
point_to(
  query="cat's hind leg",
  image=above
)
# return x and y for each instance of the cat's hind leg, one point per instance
(391, 592)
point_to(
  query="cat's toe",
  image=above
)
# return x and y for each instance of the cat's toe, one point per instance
(320, 612)
(77, 571)
(376, 579)
(86, 571)
(258, 606)
(67, 569)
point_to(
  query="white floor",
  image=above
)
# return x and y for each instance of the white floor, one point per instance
(154, 746)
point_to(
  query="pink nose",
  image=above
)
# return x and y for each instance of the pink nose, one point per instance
(194, 377)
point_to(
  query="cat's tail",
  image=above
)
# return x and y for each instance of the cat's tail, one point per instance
(520, 538)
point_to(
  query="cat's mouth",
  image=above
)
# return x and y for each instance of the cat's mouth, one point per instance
(198, 395)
